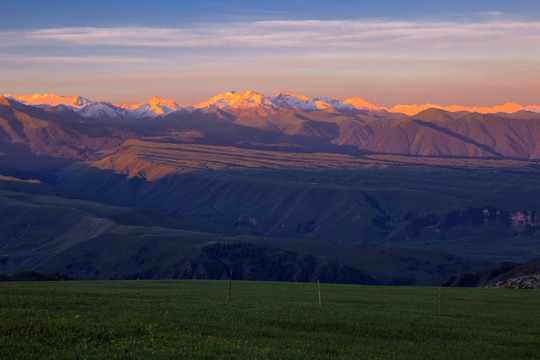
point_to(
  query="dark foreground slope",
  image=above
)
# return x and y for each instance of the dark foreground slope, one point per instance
(90, 240)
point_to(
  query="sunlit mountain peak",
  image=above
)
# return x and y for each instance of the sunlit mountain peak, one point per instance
(233, 99)
(415, 109)
(155, 105)
(507, 108)
(288, 94)
(361, 104)
(52, 100)
(412, 109)
(289, 100)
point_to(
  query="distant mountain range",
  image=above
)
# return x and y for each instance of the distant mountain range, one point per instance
(246, 103)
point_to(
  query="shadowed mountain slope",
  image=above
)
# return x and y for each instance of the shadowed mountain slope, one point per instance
(47, 132)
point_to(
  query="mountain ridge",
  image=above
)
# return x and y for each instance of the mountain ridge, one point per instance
(249, 119)
(248, 102)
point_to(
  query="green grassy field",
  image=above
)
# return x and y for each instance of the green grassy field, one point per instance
(192, 319)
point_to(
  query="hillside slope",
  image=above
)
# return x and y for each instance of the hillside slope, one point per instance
(501, 275)
(90, 240)
(325, 197)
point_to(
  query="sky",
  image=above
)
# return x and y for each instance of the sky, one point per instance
(388, 52)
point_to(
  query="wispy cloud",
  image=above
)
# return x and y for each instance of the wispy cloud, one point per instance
(26, 59)
(370, 34)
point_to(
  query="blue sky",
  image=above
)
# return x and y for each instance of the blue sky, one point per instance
(387, 52)
(58, 13)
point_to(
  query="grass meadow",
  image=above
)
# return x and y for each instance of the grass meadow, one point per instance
(263, 320)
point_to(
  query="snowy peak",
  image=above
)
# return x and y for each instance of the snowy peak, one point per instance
(164, 103)
(248, 102)
(361, 104)
(155, 106)
(289, 100)
(248, 98)
(284, 94)
(102, 110)
(51, 100)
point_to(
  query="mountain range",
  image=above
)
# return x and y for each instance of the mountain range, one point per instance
(246, 103)
(250, 119)
(361, 193)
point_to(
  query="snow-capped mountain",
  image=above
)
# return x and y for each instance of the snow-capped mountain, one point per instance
(153, 107)
(258, 104)
(248, 102)
(361, 104)
(51, 100)
(289, 100)
(102, 110)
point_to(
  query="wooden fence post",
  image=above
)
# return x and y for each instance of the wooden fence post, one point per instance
(439, 302)
(319, 291)
(137, 288)
(230, 281)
